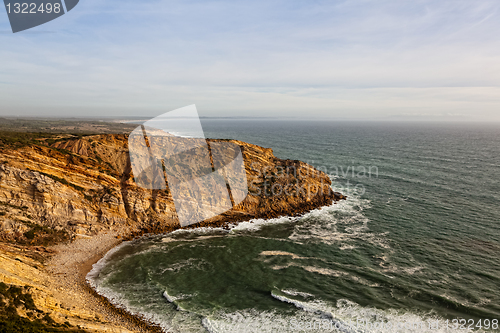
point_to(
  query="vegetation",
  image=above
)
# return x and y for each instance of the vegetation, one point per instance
(13, 139)
(76, 127)
(18, 139)
(16, 297)
(12, 298)
(42, 236)
(51, 141)
(18, 132)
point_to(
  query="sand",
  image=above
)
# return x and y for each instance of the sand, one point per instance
(69, 267)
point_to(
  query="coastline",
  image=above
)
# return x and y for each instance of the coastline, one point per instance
(93, 200)
(124, 315)
(76, 260)
(69, 267)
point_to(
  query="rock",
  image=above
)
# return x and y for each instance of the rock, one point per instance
(88, 181)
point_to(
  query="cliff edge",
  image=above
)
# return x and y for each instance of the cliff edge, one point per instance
(84, 186)
(65, 200)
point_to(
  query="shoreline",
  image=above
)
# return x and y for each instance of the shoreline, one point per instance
(136, 320)
(93, 197)
(128, 235)
(147, 326)
(68, 269)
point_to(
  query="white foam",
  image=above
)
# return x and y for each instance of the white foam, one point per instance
(174, 299)
(188, 263)
(314, 306)
(93, 275)
(283, 253)
(257, 224)
(342, 223)
(352, 317)
(95, 280)
(201, 230)
(318, 213)
(171, 239)
(293, 292)
(121, 302)
(251, 321)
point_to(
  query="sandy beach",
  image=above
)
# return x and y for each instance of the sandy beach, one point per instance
(68, 268)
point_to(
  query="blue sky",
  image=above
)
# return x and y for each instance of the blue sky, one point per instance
(315, 59)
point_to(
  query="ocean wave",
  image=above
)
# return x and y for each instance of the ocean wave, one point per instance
(175, 299)
(327, 272)
(251, 321)
(343, 223)
(283, 253)
(153, 312)
(191, 263)
(257, 224)
(311, 315)
(122, 302)
(200, 230)
(97, 281)
(93, 276)
(349, 316)
(293, 292)
(202, 236)
(319, 213)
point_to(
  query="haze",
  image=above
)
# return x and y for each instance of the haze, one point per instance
(298, 59)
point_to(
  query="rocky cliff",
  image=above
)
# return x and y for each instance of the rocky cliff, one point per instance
(84, 186)
(61, 187)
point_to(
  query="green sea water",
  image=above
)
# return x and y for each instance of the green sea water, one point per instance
(417, 241)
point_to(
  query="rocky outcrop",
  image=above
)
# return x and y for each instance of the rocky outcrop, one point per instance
(85, 186)
(84, 189)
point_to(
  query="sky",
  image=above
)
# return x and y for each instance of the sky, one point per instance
(312, 59)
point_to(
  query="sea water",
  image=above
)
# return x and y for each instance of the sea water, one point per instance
(414, 248)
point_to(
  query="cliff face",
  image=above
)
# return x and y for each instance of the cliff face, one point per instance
(85, 185)
(60, 188)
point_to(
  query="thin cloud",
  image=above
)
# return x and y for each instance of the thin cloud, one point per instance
(363, 57)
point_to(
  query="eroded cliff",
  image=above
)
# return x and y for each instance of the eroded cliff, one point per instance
(83, 186)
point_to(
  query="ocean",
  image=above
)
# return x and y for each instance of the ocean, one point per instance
(414, 248)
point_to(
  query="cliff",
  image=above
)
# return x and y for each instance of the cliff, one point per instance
(84, 186)
(63, 187)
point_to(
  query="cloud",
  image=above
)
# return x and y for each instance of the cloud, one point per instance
(367, 58)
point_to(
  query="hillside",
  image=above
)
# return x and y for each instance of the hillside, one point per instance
(83, 186)
(57, 188)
